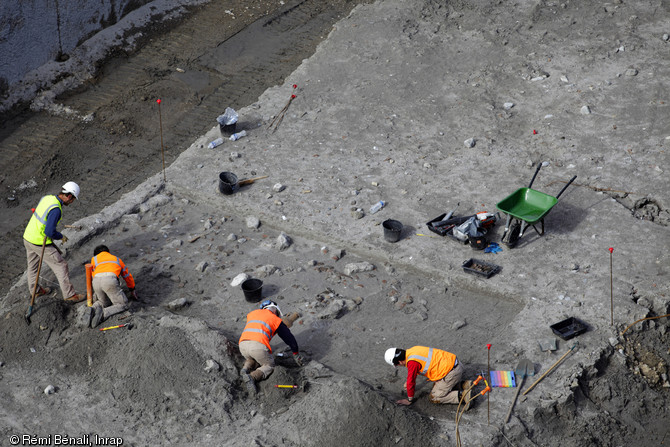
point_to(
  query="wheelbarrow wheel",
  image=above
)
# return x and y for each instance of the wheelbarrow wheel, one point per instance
(512, 236)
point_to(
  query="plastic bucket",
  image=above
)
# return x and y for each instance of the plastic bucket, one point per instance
(392, 230)
(228, 183)
(228, 129)
(478, 242)
(253, 290)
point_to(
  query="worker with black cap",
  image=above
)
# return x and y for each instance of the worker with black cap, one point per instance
(262, 324)
(440, 367)
(39, 241)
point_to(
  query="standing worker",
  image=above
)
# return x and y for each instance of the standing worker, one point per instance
(440, 367)
(39, 237)
(262, 325)
(108, 297)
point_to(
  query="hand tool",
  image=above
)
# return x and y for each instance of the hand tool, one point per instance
(37, 280)
(249, 181)
(115, 327)
(287, 386)
(552, 367)
(522, 370)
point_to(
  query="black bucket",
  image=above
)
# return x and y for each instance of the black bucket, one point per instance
(253, 290)
(228, 129)
(228, 183)
(392, 230)
(478, 242)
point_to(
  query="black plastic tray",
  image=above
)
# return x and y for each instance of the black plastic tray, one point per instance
(447, 230)
(569, 328)
(481, 268)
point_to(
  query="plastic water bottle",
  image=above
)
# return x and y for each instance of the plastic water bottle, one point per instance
(377, 206)
(238, 135)
(215, 143)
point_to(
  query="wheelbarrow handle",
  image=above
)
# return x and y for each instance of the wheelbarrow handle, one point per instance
(539, 165)
(566, 186)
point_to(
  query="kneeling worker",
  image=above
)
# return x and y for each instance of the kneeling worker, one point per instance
(262, 325)
(108, 297)
(438, 366)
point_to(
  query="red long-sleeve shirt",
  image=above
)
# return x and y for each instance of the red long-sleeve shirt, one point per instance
(413, 369)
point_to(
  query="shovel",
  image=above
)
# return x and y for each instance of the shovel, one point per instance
(523, 369)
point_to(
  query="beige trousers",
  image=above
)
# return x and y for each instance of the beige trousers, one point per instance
(108, 292)
(56, 263)
(256, 353)
(442, 389)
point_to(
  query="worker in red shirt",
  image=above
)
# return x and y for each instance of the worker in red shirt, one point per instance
(440, 367)
(109, 299)
(262, 325)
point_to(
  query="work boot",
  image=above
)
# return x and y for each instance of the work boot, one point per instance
(86, 316)
(464, 399)
(76, 298)
(251, 383)
(98, 313)
(42, 291)
(466, 384)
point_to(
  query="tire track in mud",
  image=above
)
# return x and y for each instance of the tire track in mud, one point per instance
(230, 52)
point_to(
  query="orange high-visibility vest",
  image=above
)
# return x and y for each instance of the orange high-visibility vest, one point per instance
(435, 363)
(261, 326)
(105, 262)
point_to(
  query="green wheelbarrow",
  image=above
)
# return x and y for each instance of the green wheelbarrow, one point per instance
(526, 207)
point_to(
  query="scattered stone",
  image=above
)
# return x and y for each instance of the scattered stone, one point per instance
(232, 237)
(278, 187)
(234, 155)
(631, 72)
(49, 390)
(178, 304)
(508, 105)
(358, 267)
(202, 266)
(239, 279)
(253, 222)
(458, 324)
(564, 79)
(283, 241)
(265, 271)
(357, 213)
(585, 110)
(175, 243)
(574, 267)
(208, 224)
(470, 142)
(212, 365)
(613, 341)
(666, 37)
(311, 263)
(337, 254)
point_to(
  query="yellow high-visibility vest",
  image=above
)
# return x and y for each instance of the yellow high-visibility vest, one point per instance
(38, 221)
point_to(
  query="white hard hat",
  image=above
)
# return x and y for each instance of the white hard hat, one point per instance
(72, 188)
(271, 305)
(389, 355)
